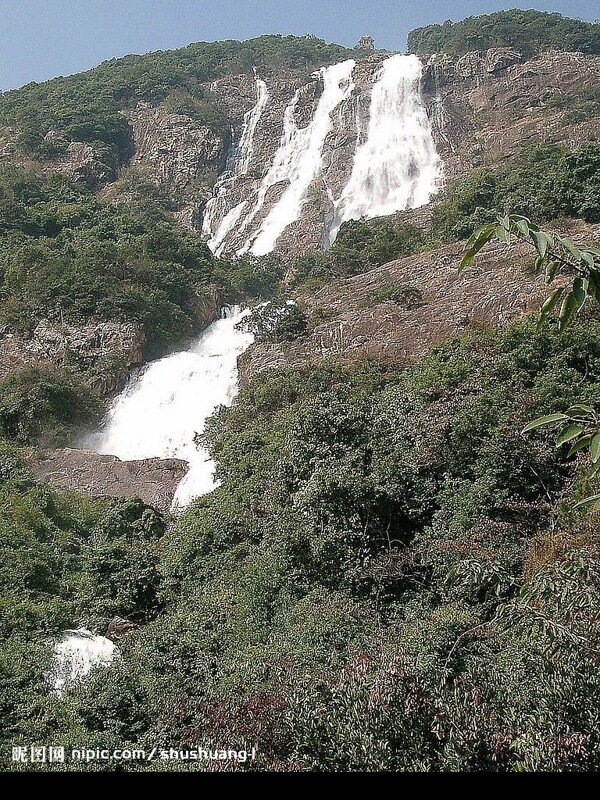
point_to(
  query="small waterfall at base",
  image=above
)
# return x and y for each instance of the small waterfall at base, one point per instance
(166, 404)
(397, 167)
(75, 655)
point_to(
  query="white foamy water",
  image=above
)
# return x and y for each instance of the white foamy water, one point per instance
(74, 656)
(166, 404)
(397, 166)
(298, 160)
(242, 157)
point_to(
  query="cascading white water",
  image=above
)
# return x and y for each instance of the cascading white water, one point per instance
(394, 166)
(251, 120)
(74, 656)
(298, 160)
(241, 159)
(397, 167)
(166, 404)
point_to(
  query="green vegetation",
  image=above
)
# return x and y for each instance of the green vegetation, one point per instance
(359, 246)
(86, 107)
(528, 31)
(69, 256)
(44, 406)
(542, 182)
(275, 322)
(385, 547)
(407, 297)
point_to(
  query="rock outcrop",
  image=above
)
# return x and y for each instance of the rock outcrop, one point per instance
(153, 480)
(179, 155)
(102, 351)
(484, 106)
(429, 300)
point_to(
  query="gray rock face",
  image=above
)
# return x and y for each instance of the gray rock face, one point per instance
(177, 154)
(351, 318)
(153, 480)
(485, 105)
(80, 163)
(89, 347)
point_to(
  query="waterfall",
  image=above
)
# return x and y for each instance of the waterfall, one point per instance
(373, 119)
(397, 167)
(166, 404)
(298, 160)
(75, 654)
(239, 165)
(251, 120)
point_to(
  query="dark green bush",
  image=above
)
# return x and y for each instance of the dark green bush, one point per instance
(528, 31)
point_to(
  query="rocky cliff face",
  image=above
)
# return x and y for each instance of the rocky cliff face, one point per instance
(179, 155)
(399, 311)
(484, 106)
(103, 351)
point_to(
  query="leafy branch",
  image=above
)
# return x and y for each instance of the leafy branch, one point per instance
(556, 256)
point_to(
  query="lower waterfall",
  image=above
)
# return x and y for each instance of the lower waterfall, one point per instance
(165, 404)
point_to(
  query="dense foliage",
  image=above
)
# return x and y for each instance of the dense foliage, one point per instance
(67, 255)
(541, 181)
(85, 107)
(359, 246)
(387, 578)
(43, 405)
(528, 31)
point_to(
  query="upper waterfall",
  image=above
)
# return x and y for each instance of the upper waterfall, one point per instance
(354, 143)
(298, 160)
(219, 217)
(397, 167)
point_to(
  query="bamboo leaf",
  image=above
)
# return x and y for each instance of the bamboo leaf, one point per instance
(579, 292)
(552, 271)
(593, 501)
(581, 444)
(595, 448)
(542, 242)
(550, 303)
(479, 238)
(523, 226)
(571, 247)
(502, 234)
(579, 409)
(567, 310)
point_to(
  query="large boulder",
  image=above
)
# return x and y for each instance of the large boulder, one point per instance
(153, 480)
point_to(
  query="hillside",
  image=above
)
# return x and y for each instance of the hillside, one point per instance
(395, 570)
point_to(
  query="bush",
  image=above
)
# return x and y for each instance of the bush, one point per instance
(45, 405)
(528, 31)
(275, 322)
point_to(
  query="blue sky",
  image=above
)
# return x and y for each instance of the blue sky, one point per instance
(43, 38)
